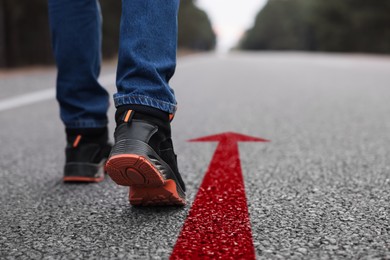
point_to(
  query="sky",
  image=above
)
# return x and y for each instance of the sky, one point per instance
(230, 18)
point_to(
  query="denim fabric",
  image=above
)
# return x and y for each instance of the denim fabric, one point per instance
(147, 53)
(146, 62)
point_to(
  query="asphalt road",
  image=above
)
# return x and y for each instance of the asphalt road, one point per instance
(319, 190)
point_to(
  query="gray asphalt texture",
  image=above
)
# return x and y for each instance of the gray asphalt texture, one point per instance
(319, 190)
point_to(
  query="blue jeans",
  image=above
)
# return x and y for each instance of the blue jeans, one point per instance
(146, 60)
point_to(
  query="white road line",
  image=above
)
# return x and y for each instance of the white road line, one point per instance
(26, 99)
(42, 95)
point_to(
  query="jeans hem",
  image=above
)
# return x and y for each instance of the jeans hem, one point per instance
(86, 124)
(146, 101)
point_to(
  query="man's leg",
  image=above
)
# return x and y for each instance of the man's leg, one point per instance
(76, 39)
(143, 156)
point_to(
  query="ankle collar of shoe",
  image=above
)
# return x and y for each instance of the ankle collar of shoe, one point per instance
(141, 111)
(87, 135)
(87, 131)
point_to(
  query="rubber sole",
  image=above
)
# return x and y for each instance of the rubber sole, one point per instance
(147, 185)
(84, 172)
(82, 179)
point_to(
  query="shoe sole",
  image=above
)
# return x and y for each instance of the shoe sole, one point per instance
(82, 179)
(84, 172)
(147, 185)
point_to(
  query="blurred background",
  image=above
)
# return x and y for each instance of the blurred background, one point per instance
(25, 36)
(221, 25)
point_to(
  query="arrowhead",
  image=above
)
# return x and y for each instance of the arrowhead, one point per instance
(228, 137)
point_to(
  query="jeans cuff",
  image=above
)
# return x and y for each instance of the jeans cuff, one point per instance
(146, 101)
(89, 123)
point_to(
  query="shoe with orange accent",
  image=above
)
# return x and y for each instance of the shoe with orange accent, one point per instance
(86, 152)
(143, 157)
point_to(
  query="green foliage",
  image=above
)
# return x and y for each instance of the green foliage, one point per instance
(111, 12)
(25, 35)
(195, 31)
(317, 25)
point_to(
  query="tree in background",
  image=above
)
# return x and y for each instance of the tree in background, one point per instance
(195, 30)
(317, 25)
(25, 36)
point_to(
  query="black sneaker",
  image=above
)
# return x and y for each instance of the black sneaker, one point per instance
(86, 153)
(143, 157)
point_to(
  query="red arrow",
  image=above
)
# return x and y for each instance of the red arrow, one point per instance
(218, 224)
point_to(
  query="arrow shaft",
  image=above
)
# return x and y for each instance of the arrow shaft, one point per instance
(218, 224)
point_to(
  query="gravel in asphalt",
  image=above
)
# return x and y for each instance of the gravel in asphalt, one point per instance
(319, 190)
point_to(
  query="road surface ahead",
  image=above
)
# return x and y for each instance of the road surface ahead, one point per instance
(319, 190)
